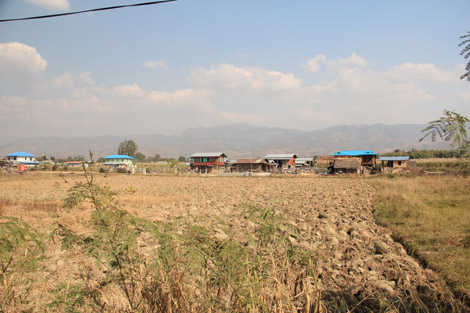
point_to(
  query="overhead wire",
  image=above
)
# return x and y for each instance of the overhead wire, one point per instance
(86, 11)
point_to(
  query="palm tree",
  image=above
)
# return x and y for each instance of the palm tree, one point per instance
(466, 54)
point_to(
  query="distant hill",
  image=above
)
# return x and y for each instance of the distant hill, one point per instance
(238, 140)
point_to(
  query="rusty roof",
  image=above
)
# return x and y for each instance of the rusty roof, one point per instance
(252, 161)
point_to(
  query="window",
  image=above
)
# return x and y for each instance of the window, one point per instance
(221, 159)
(399, 163)
(205, 160)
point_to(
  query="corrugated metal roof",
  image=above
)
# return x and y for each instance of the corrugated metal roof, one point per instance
(207, 155)
(119, 156)
(394, 158)
(280, 156)
(21, 154)
(354, 153)
(304, 159)
(29, 162)
(252, 161)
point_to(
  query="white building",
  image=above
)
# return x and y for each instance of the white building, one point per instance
(20, 157)
(119, 160)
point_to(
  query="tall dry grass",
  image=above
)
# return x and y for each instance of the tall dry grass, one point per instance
(431, 216)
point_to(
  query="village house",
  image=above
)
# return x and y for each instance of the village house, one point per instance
(304, 164)
(391, 163)
(24, 158)
(205, 162)
(368, 157)
(285, 162)
(367, 161)
(347, 165)
(76, 164)
(119, 160)
(253, 165)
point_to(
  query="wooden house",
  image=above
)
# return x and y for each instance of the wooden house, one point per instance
(205, 162)
(304, 164)
(368, 157)
(253, 165)
(285, 162)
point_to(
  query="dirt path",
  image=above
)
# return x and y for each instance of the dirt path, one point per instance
(357, 260)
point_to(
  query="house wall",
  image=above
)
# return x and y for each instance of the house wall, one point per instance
(210, 161)
(395, 164)
(119, 162)
(20, 159)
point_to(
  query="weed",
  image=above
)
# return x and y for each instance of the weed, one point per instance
(185, 268)
(21, 250)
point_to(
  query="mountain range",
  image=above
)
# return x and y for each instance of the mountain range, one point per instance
(238, 140)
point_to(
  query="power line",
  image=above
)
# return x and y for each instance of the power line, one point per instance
(86, 11)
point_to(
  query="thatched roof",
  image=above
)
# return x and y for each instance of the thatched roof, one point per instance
(349, 163)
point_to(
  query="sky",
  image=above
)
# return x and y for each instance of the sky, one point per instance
(164, 68)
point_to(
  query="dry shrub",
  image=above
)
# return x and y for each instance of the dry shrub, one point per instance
(182, 267)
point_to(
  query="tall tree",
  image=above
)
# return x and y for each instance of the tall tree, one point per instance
(140, 156)
(127, 147)
(450, 127)
(466, 54)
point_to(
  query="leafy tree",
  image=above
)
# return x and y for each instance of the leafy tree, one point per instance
(140, 157)
(156, 158)
(450, 127)
(181, 159)
(466, 54)
(127, 147)
(172, 163)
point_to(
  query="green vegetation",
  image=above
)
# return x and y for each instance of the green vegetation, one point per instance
(427, 154)
(21, 250)
(127, 147)
(466, 54)
(431, 216)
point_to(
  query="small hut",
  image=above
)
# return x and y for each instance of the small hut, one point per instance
(253, 165)
(393, 162)
(349, 165)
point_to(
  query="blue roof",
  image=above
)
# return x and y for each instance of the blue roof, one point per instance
(394, 158)
(21, 154)
(29, 162)
(354, 153)
(119, 156)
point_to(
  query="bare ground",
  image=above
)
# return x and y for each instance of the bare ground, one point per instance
(357, 261)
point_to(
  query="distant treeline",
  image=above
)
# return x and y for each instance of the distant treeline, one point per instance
(427, 154)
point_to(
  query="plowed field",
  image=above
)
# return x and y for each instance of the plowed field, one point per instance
(356, 260)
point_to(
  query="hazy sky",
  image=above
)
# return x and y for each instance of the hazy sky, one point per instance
(295, 64)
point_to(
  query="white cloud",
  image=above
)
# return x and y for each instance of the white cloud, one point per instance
(465, 96)
(52, 4)
(129, 90)
(157, 64)
(228, 76)
(424, 71)
(18, 56)
(225, 93)
(315, 64)
(354, 61)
